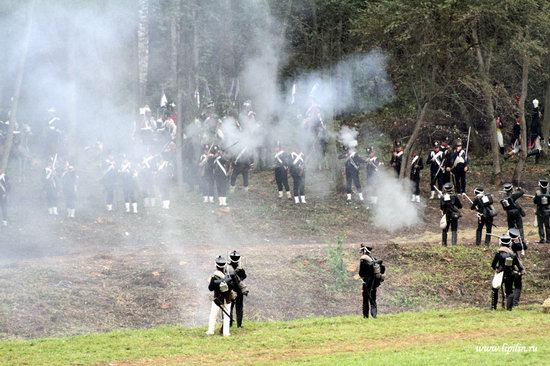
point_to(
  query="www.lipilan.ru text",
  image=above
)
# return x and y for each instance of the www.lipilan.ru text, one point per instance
(507, 348)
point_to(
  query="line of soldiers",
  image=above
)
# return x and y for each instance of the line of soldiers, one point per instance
(352, 167)
(228, 288)
(450, 205)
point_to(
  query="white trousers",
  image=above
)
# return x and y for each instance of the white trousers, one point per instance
(214, 312)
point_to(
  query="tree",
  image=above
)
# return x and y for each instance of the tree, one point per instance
(143, 49)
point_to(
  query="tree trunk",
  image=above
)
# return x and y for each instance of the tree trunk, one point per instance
(405, 162)
(516, 180)
(489, 107)
(143, 49)
(17, 89)
(177, 65)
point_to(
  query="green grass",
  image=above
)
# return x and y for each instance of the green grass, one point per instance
(412, 338)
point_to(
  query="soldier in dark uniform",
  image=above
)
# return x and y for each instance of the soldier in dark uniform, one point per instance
(147, 176)
(371, 271)
(128, 177)
(372, 174)
(68, 181)
(435, 161)
(352, 167)
(514, 212)
(506, 264)
(238, 274)
(242, 164)
(165, 174)
(220, 165)
(542, 201)
(108, 179)
(483, 205)
(416, 166)
(397, 156)
(282, 162)
(450, 205)
(297, 171)
(447, 162)
(459, 168)
(51, 187)
(4, 190)
(206, 172)
(535, 134)
(518, 247)
(221, 285)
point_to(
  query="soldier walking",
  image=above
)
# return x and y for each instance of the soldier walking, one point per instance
(450, 205)
(542, 202)
(483, 205)
(506, 264)
(371, 271)
(514, 212)
(518, 247)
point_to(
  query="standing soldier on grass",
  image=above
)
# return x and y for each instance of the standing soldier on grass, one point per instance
(282, 163)
(51, 187)
(450, 205)
(297, 170)
(352, 167)
(514, 212)
(483, 205)
(542, 201)
(506, 266)
(68, 181)
(416, 166)
(435, 161)
(221, 286)
(518, 247)
(371, 271)
(238, 274)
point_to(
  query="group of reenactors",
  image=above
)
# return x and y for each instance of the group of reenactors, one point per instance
(228, 289)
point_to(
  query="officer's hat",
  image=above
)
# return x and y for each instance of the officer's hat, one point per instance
(448, 187)
(458, 142)
(543, 183)
(478, 190)
(436, 144)
(505, 240)
(508, 187)
(513, 233)
(215, 149)
(220, 262)
(397, 143)
(234, 256)
(369, 149)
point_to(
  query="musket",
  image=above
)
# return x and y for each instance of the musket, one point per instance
(222, 309)
(468, 143)
(469, 199)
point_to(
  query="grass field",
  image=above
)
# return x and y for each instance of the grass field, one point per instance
(450, 337)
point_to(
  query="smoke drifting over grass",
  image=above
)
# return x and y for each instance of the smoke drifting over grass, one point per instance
(394, 209)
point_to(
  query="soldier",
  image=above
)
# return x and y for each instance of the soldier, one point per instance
(542, 201)
(51, 187)
(514, 212)
(128, 177)
(416, 166)
(396, 157)
(536, 137)
(282, 163)
(372, 174)
(221, 286)
(242, 164)
(459, 168)
(53, 133)
(352, 167)
(450, 205)
(68, 181)
(447, 162)
(219, 169)
(238, 274)
(297, 171)
(165, 174)
(435, 161)
(147, 179)
(505, 263)
(483, 204)
(371, 271)
(108, 179)
(4, 190)
(518, 247)
(206, 161)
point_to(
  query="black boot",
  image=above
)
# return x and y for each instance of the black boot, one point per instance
(444, 238)
(509, 302)
(494, 300)
(517, 295)
(454, 237)
(521, 234)
(478, 237)
(487, 239)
